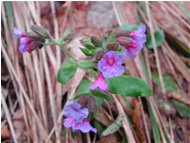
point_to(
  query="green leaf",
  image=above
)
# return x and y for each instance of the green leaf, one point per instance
(86, 42)
(155, 129)
(169, 84)
(129, 86)
(66, 71)
(84, 87)
(85, 64)
(91, 52)
(159, 37)
(10, 14)
(182, 109)
(114, 126)
(87, 52)
(99, 100)
(102, 95)
(128, 27)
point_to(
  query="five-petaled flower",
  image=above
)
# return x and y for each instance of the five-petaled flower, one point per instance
(77, 118)
(28, 41)
(110, 64)
(100, 83)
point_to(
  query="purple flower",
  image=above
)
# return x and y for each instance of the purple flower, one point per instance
(83, 126)
(24, 44)
(74, 110)
(131, 46)
(133, 49)
(100, 83)
(139, 35)
(28, 41)
(77, 118)
(19, 33)
(110, 64)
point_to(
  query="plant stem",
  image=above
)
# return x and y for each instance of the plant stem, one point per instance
(91, 72)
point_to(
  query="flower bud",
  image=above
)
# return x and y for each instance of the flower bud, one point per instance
(42, 32)
(100, 54)
(121, 33)
(97, 42)
(86, 42)
(113, 47)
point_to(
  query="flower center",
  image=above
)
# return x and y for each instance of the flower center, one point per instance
(133, 45)
(110, 60)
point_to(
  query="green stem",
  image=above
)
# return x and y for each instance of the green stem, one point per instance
(91, 72)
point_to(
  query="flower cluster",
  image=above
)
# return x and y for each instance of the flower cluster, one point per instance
(28, 41)
(111, 63)
(132, 41)
(77, 118)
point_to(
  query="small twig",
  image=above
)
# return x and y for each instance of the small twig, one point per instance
(154, 46)
(51, 95)
(179, 98)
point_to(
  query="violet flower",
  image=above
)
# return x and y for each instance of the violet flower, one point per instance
(110, 64)
(28, 41)
(139, 35)
(138, 38)
(77, 118)
(100, 83)
(132, 47)
(19, 33)
(74, 110)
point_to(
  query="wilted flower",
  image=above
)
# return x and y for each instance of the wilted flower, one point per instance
(77, 118)
(110, 64)
(100, 83)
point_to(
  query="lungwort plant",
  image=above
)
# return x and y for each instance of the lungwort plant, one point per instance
(106, 65)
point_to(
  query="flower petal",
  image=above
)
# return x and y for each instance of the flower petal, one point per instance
(23, 48)
(18, 33)
(74, 110)
(100, 83)
(69, 122)
(85, 126)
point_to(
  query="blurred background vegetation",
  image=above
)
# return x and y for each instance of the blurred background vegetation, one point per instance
(30, 90)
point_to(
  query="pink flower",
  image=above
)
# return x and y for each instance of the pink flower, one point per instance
(110, 64)
(100, 83)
